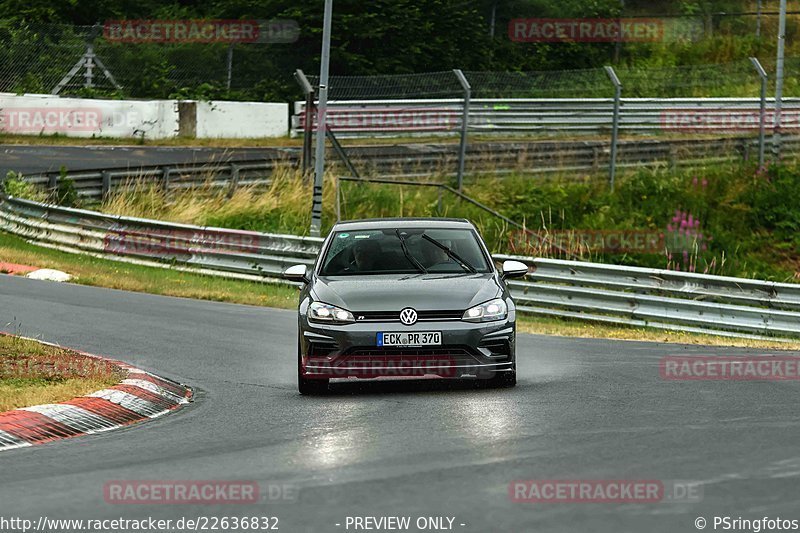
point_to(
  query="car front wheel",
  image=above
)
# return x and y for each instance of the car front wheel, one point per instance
(503, 379)
(309, 386)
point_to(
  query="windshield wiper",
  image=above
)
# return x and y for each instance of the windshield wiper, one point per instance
(450, 253)
(411, 259)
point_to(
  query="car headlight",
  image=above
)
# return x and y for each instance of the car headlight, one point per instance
(486, 312)
(320, 312)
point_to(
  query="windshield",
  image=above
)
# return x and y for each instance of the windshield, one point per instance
(404, 251)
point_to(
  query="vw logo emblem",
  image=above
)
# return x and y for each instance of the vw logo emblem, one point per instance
(408, 316)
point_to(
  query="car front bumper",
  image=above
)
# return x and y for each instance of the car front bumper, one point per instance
(331, 351)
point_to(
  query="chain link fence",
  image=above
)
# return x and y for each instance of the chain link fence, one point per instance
(52, 59)
(729, 107)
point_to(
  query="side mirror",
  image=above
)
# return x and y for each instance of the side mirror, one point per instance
(296, 273)
(514, 269)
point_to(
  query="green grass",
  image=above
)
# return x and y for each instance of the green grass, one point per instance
(32, 373)
(98, 272)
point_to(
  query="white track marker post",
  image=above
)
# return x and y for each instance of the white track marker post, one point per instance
(319, 164)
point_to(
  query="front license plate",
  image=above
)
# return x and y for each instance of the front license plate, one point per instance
(410, 338)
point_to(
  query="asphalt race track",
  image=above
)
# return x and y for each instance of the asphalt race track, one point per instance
(35, 159)
(584, 409)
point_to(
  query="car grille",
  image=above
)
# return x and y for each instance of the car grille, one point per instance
(394, 316)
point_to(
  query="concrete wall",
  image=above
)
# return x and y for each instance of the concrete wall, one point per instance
(242, 120)
(33, 114)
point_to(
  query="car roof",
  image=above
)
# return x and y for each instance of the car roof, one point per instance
(409, 222)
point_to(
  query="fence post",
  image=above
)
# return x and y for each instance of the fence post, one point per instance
(166, 174)
(229, 66)
(612, 164)
(462, 149)
(106, 184)
(338, 199)
(52, 184)
(308, 120)
(762, 111)
(234, 180)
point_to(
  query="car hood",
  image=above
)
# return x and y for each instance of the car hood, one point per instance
(423, 292)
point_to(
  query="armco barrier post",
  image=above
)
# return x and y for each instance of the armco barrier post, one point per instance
(762, 114)
(165, 178)
(612, 164)
(52, 184)
(234, 180)
(462, 149)
(106, 190)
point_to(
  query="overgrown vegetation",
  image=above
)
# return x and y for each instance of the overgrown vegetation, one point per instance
(736, 220)
(15, 185)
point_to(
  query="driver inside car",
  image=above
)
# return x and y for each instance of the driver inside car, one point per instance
(366, 253)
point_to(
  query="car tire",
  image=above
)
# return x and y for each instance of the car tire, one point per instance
(309, 386)
(503, 380)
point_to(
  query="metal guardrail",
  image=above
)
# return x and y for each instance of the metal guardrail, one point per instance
(410, 161)
(586, 291)
(664, 299)
(260, 255)
(370, 118)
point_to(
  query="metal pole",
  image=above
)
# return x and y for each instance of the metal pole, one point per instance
(319, 167)
(89, 74)
(762, 113)
(612, 164)
(618, 44)
(462, 149)
(230, 66)
(492, 23)
(338, 200)
(776, 137)
(308, 119)
(758, 20)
